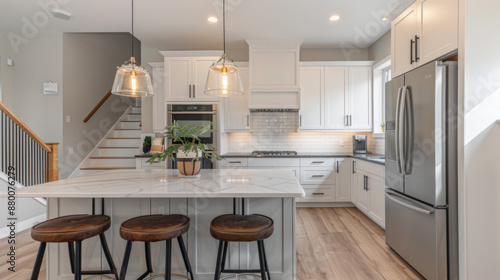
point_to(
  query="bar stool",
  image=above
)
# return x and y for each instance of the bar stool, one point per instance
(241, 228)
(154, 228)
(73, 229)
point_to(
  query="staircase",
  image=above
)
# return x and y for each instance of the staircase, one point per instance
(117, 150)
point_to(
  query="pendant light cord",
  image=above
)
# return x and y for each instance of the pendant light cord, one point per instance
(224, 26)
(132, 38)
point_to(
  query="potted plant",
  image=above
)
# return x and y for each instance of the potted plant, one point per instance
(187, 147)
(146, 145)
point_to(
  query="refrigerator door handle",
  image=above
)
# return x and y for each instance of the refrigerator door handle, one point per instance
(409, 132)
(399, 131)
(392, 196)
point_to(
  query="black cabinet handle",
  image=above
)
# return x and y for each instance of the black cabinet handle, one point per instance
(416, 48)
(194, 92)
(318, 162)
(189, 91)
(411, 51)
(235, 162)
(318, 176)
(337, 166)
(318, 193)
(353, 167)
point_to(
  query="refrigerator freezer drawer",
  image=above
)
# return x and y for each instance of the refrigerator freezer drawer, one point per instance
(417, 233)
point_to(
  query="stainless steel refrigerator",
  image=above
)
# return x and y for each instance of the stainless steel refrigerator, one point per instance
(421, 169)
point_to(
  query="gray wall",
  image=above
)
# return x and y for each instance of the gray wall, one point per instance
(334, 54)
(381, 48)
(6, 72)
(90, 63)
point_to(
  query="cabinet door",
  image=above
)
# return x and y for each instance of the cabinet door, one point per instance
(403, 31)
(363, 196)
(201, 65)
(335, 97)
(236, 112)
(438, 28)
(159, 106)
(360, 98)
(177, 78)
(311, 115)
(343, 180)
(376, 189)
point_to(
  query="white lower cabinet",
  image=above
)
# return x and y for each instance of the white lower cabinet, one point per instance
(343, 179)
(368, 190)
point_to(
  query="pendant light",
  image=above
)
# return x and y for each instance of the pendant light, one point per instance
(224, 77)
(131, 79)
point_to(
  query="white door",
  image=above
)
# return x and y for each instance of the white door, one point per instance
(335, 97)
(236, 112)
(177, 78)
(201, 65)
(311, 115)
(360, 98)
(376, 188)
(363, 196)
(438, 27)
(343, 180)
(403, 31)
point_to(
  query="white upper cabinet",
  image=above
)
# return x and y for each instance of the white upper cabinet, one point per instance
(360, 98)
(159, 114)
(426, 31)
(438, 27)
(186, 75)
(236, 110)
(311, 115)
(335, 98)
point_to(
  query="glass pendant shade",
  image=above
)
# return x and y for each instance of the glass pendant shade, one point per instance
(132, 80)
(224, 79)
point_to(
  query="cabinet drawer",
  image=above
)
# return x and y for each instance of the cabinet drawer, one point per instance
(317, 176)
(317, 162)
(368, 167)
(323, 194)
(274, 162)
(234, 162)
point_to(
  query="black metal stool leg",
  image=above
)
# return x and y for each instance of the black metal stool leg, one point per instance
(126, 258)
(265, 260)
(261, 260)
(219, 260)
(78, 261)
(107, 254)
(71, 252)
(168, 260)
(38, 261)
(224, 255)
(184, 253)
(149, 269)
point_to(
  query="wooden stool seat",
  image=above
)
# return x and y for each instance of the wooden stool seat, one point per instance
(70, 228)
(153, 228)
(241, 228)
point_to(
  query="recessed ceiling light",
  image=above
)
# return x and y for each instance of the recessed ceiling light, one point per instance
(212, 19)
(334, 18)
(384, 18)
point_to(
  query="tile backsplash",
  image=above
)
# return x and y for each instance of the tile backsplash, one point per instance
(278, 131)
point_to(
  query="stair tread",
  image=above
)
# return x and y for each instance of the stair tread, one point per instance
(118, 147)
(135, 114)
(127, 129)
(136, 138)
(105, 168)
(112, 157)
(131, 121)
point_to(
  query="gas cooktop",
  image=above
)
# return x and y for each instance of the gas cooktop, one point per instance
(273, 153)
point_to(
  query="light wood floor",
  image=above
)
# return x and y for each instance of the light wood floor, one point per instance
(332, 244)
(344, 244)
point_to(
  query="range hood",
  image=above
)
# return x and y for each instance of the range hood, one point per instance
(274, 76)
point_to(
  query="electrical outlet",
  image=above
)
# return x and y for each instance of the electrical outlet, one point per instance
(342, 143)
(10, 62)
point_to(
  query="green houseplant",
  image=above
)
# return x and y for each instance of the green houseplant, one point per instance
(187, 146)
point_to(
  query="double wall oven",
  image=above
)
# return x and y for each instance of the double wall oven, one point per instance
(196, 115)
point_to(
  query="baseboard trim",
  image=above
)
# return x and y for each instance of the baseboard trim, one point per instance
(24, 225)
(324, 204)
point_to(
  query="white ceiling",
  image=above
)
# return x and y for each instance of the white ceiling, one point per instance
(182, 24)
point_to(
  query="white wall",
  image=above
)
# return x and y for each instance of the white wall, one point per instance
(480, 187)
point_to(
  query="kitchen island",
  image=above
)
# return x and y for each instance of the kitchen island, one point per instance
(126, 194)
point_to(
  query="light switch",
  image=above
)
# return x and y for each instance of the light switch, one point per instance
(70, 150)
(10, 62)
(68, 119)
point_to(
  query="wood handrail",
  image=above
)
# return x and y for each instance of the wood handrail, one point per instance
(24, 127)
(97, 107)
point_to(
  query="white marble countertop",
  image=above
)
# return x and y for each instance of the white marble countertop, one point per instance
(169, 184)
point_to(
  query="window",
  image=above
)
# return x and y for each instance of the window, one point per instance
(381, 75)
